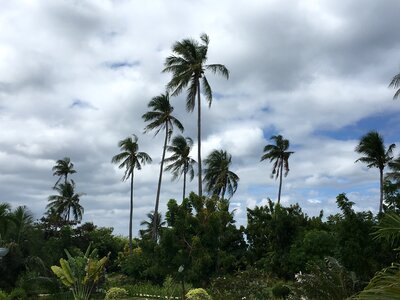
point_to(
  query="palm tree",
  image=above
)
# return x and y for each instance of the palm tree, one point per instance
(372, 147)
(5, 220)
(148, 231)
(22, 219)
(217, 176)
(66, 202)
(130, 159)
(62, 168)
(180, 162)
(394, 175)
(395, 83)
(160, 117)
(278, 154)
(188, 67)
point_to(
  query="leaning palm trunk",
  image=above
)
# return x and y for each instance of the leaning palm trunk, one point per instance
(199, 137)
(280, 182)
(154, 231)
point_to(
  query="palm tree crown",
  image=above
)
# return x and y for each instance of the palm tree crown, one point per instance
(66, 202)
(278, 154)
(372, 147)
(130, 159)
(148, 231)
(160, 116)
(188, 67)
(180, 161)
(395, 83)
(217, 176)
(62, 168)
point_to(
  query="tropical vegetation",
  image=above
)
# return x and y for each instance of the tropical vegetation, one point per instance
(193, 247)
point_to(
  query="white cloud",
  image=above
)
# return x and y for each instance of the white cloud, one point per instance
(307, 71)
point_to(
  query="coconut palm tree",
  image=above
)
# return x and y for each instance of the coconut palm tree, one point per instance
(62, 168)
(188, 67)
(160, 117)
(278, 154)
(148, 231)
(180, 161)
(218, 178)
(372, 147)
(395, 83)
(130, 159)
(22, 218)
(394, 175)
(5, 220)
(66, 202)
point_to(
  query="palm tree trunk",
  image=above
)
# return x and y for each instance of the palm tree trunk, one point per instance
(280, 182)
(199, 137)
(381, 190)
(154, 231)
(131, 217)
(184, 184)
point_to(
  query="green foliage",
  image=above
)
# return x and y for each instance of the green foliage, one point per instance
(356, 249)
(280, 291)
(198, 294)
(202, 237)
(328, 280)
(384, 285)
(4, 296)
(146, 288)
(80, 273)
(116, 293)
(251, 283)
(18, 294)
(271, 231)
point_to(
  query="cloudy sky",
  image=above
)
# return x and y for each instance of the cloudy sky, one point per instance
(76, 77)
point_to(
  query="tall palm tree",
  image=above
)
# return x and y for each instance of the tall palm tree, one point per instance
(278, 154)
(180, 161)
(66, 202)
(130, 159)
(62, 168)
(188, 67)
(148, 231)
(217, 176)
(160, 117)
(395, 83)
(372, 147)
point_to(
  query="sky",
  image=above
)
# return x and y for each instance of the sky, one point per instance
(76, 76)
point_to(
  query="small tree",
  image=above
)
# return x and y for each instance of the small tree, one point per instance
(81, 273)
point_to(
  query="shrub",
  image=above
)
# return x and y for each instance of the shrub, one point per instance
(3, 296)
(251, 283)
(18, 294)
(116, 293)
(280, 291)
(198, 294)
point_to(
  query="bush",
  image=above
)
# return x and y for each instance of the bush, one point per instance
(18, 294)
(249, 284)
(116, 293)
(280, 291)
(198, 294)
(3, 296)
